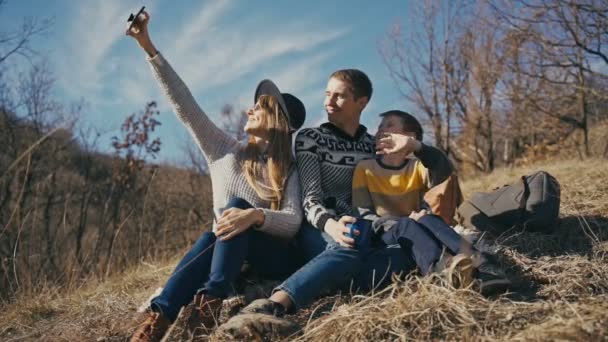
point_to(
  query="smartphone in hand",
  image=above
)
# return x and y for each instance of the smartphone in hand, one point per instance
(135, 20)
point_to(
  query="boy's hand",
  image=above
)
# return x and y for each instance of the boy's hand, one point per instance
(416, 215)
(390, 143)
(336, 230)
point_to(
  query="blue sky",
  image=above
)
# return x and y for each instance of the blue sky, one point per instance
(221, 48)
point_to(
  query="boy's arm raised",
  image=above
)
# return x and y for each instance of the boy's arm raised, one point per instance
(438, 164)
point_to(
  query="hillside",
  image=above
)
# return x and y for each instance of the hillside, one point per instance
(69, 213)
(562, 290)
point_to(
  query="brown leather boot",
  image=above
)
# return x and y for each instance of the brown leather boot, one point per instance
(202, 315)
(152, 328)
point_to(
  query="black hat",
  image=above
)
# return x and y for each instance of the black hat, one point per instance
(292, 107)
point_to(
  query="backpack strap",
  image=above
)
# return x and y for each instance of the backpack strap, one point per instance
(523, 200)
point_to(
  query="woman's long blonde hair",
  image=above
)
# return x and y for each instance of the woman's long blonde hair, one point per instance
(268, 179)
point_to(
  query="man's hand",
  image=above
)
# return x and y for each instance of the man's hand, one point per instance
(390, 143)
(234, 221)
(336, 230)
(416, 215)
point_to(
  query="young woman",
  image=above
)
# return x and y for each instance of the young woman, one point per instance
(256, 199)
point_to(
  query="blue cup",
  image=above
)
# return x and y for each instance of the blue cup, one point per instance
(365, 233)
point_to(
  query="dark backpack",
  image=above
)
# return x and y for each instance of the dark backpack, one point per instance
(532, 204)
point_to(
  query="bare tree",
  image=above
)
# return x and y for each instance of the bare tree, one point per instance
(451, 72)
(34, 91)
(564, 41)
(17, 42)
(422, 63)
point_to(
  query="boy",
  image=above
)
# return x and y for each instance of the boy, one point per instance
(389, 192)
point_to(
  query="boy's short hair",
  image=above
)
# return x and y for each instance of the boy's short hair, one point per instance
(410, 123)
(359, 82)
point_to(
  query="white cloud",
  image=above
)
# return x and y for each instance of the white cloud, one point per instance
(96, 27)
(211, 52)
(229, 54)
(194, 31)
(209, 49)
(299, 77)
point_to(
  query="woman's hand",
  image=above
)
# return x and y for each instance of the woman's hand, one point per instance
(234, 221)
(390, 143)
(336, 230)
(139, 31)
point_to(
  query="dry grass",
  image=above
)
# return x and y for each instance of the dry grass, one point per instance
(101, 312)
(561, 288)
(561, 291)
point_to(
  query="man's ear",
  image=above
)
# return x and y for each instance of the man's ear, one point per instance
(362, 101)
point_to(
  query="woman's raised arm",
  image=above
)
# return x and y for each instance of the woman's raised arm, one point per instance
(213, 141)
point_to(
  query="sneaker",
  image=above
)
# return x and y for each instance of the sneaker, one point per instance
(264, 306)
(261, 320)
(152, 329)
(491, 276)
(472, 235)
(457, 270)
(258, 327)
(202, 315)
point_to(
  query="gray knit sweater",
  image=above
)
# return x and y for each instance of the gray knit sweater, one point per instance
(221, 153)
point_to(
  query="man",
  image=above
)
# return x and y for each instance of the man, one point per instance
(326, 158)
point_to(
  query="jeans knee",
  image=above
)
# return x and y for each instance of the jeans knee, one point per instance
(406, 221)
(432, 219)
(204, 241)
(344, 253)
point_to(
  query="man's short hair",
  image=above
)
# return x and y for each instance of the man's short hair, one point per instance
(359, 82)
(409, 122)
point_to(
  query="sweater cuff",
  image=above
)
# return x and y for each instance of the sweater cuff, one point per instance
(268, 220)
(323, 220)
(158, 60)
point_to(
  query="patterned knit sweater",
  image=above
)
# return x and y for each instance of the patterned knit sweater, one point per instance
(221, 153)
(326, 158)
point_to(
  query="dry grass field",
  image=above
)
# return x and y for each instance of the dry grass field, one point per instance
(561, 290)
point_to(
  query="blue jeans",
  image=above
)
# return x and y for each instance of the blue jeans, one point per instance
(329, 271)
(332, 267)
(311, 242)
(407, 245)
(423, 240)
(212, 265)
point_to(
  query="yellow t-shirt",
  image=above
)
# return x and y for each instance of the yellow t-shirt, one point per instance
(390, 191)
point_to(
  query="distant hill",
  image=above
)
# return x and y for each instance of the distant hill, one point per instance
(69, 213)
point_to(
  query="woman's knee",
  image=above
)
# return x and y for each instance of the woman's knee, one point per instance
(204, 241)
(239, 203)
